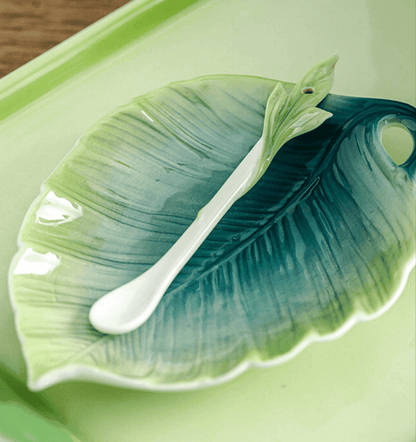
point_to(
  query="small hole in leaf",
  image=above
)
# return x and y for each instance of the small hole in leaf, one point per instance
(398, 143)
(308, 90)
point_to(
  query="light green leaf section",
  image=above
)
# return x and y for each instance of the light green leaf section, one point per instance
(290, 115)
(20, 424)
(26, 416)
(13, 389)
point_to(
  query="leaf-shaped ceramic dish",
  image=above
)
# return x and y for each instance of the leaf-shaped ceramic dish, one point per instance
(326, 238)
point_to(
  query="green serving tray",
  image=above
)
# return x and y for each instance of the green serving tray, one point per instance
(360, 387)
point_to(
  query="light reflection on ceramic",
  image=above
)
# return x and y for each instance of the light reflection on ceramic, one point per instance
(326, 238)
(34, 263)
(55, 210)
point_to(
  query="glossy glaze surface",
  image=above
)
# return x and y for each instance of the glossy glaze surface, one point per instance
(324, 239)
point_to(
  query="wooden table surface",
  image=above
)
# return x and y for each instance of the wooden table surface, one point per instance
(30, 27)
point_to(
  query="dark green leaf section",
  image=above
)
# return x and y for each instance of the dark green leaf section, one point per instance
(325, 234)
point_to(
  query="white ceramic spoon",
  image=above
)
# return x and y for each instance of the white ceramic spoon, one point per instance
(126, 308)
(129, 306)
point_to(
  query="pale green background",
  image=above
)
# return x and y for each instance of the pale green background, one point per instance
(359, 388)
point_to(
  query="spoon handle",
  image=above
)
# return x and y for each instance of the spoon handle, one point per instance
(210, 215)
